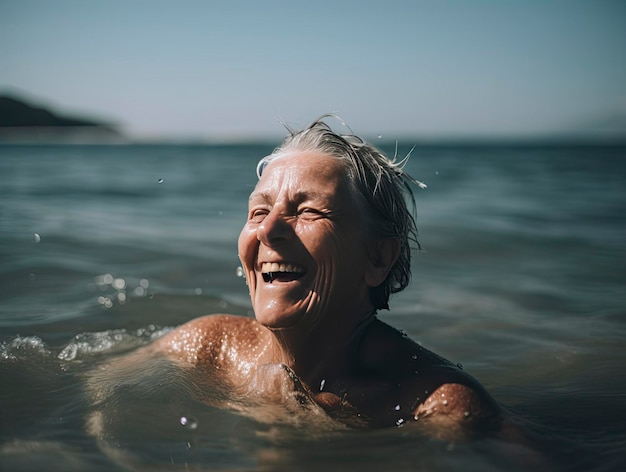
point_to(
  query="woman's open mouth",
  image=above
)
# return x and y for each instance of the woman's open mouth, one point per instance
(281, 272)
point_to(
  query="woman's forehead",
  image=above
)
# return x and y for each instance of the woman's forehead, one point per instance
(304, 159)
(308, 168)
(311, 177)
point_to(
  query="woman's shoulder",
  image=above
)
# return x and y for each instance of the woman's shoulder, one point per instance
(442, 392)
(388, 349)
(203, 339)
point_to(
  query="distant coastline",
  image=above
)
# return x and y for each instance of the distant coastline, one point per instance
(24, 122)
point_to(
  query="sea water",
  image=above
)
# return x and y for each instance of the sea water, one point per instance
(520, 278)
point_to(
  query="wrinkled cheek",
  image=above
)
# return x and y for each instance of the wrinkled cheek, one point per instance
(246, 246)
(322, 288)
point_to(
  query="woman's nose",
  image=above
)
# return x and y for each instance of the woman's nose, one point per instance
(274, 228)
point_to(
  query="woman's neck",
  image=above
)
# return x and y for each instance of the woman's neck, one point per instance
(320, 355)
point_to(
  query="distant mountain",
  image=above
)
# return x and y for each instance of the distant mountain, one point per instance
(21, 121)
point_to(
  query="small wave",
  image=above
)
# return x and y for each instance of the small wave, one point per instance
(23, 347)
(114, 340)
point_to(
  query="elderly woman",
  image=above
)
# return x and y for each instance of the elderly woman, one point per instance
(325, 243)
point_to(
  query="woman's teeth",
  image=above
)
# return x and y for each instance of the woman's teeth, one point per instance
(280, 267)
(280, 271)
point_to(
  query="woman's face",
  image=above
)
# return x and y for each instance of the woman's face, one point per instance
(304, 245)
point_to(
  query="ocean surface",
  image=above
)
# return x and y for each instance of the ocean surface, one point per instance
(521, 279)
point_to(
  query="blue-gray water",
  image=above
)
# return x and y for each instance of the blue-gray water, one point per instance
(521, 279)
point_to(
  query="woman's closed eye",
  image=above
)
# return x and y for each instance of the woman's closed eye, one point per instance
(257, 215)
(311, 213)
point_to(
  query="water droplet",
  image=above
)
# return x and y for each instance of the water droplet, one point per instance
(380, 136)
(106, 301)
(140, 291)
(189, 422)
(397, 407)
(399, 422)
(322, 383)
(160, 181)
(121, 297)
(144, 283)
(466, 414)
(414, 356)
(198, 291)
(36, 238)
(416, 417)
(239, 271)
(119, 284)
(445, 402)
(107, 279)
(436, 172)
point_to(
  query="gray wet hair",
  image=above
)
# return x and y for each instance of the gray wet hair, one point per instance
(382, 183)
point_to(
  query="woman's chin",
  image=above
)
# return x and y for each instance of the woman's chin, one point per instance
(280, 312)
(276, 324)
(277, 321)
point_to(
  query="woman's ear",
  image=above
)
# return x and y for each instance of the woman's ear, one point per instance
(383, 254)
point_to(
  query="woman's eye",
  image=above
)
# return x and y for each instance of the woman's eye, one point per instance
(310, 213)
(258, 215)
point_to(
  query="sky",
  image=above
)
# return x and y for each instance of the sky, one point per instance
(238, 69)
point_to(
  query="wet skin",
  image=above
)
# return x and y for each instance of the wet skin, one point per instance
(388, 381)
(309, 261)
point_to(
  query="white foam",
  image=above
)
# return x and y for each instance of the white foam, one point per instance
(21, 347)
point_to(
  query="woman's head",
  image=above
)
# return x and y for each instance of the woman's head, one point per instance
(382, 185)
